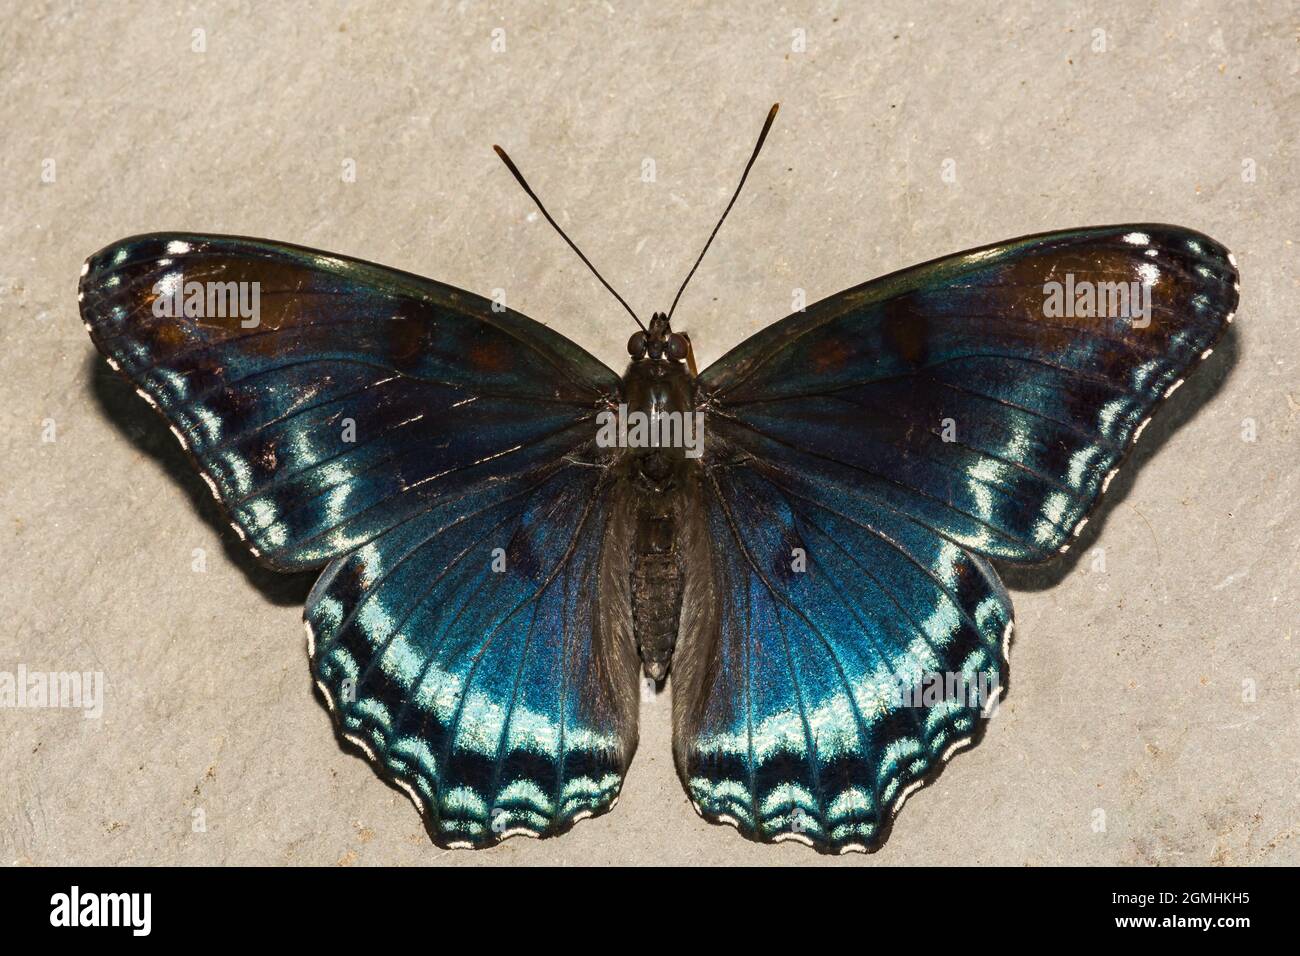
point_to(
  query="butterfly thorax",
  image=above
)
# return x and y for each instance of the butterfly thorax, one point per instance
(663, 391)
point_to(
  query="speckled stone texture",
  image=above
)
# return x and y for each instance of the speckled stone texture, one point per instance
(1155, 673)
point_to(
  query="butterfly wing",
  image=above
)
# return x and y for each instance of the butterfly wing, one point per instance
(438, 454)
(354, 398)
(954, 397)
(800, 703)
(474, 655)
(896, 435)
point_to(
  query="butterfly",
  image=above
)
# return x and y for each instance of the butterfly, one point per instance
(801, 534)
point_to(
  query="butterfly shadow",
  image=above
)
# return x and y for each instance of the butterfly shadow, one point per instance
(149, 435)
(1201, 385)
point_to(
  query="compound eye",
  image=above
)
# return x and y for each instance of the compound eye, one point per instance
(636, 345)
(676, 347)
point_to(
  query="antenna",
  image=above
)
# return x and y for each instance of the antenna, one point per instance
(514, 170)
(771, 115)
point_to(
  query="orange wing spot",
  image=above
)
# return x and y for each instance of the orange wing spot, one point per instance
(490, 357)
(832, 356)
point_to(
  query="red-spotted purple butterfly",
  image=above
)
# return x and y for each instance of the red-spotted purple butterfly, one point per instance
(511, 533)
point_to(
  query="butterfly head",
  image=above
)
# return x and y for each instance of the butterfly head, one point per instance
(659, 343)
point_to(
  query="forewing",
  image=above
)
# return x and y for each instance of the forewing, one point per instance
(955, 393)
(356, 397)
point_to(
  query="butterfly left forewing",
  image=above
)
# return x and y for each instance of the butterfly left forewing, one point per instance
(355, 396)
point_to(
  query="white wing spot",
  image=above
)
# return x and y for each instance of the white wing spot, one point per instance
(907, 792)
(365, 747)
(412, 793)
(524, 831)
(992, 704)
(955, 746)
(325, 692)
(212, 485)
(797, 837)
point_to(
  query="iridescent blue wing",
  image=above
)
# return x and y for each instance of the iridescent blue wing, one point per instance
(957, 399)
(474, 656)
(355, 398)
(805, 702)
(402, 430)
(900, 433)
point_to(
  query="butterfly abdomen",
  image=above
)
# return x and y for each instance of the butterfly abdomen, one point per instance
(657, 579)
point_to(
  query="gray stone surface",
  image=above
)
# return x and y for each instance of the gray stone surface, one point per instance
(1164, 690)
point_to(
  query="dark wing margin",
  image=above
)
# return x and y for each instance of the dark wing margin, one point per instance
(955, 392)
(356, 396)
